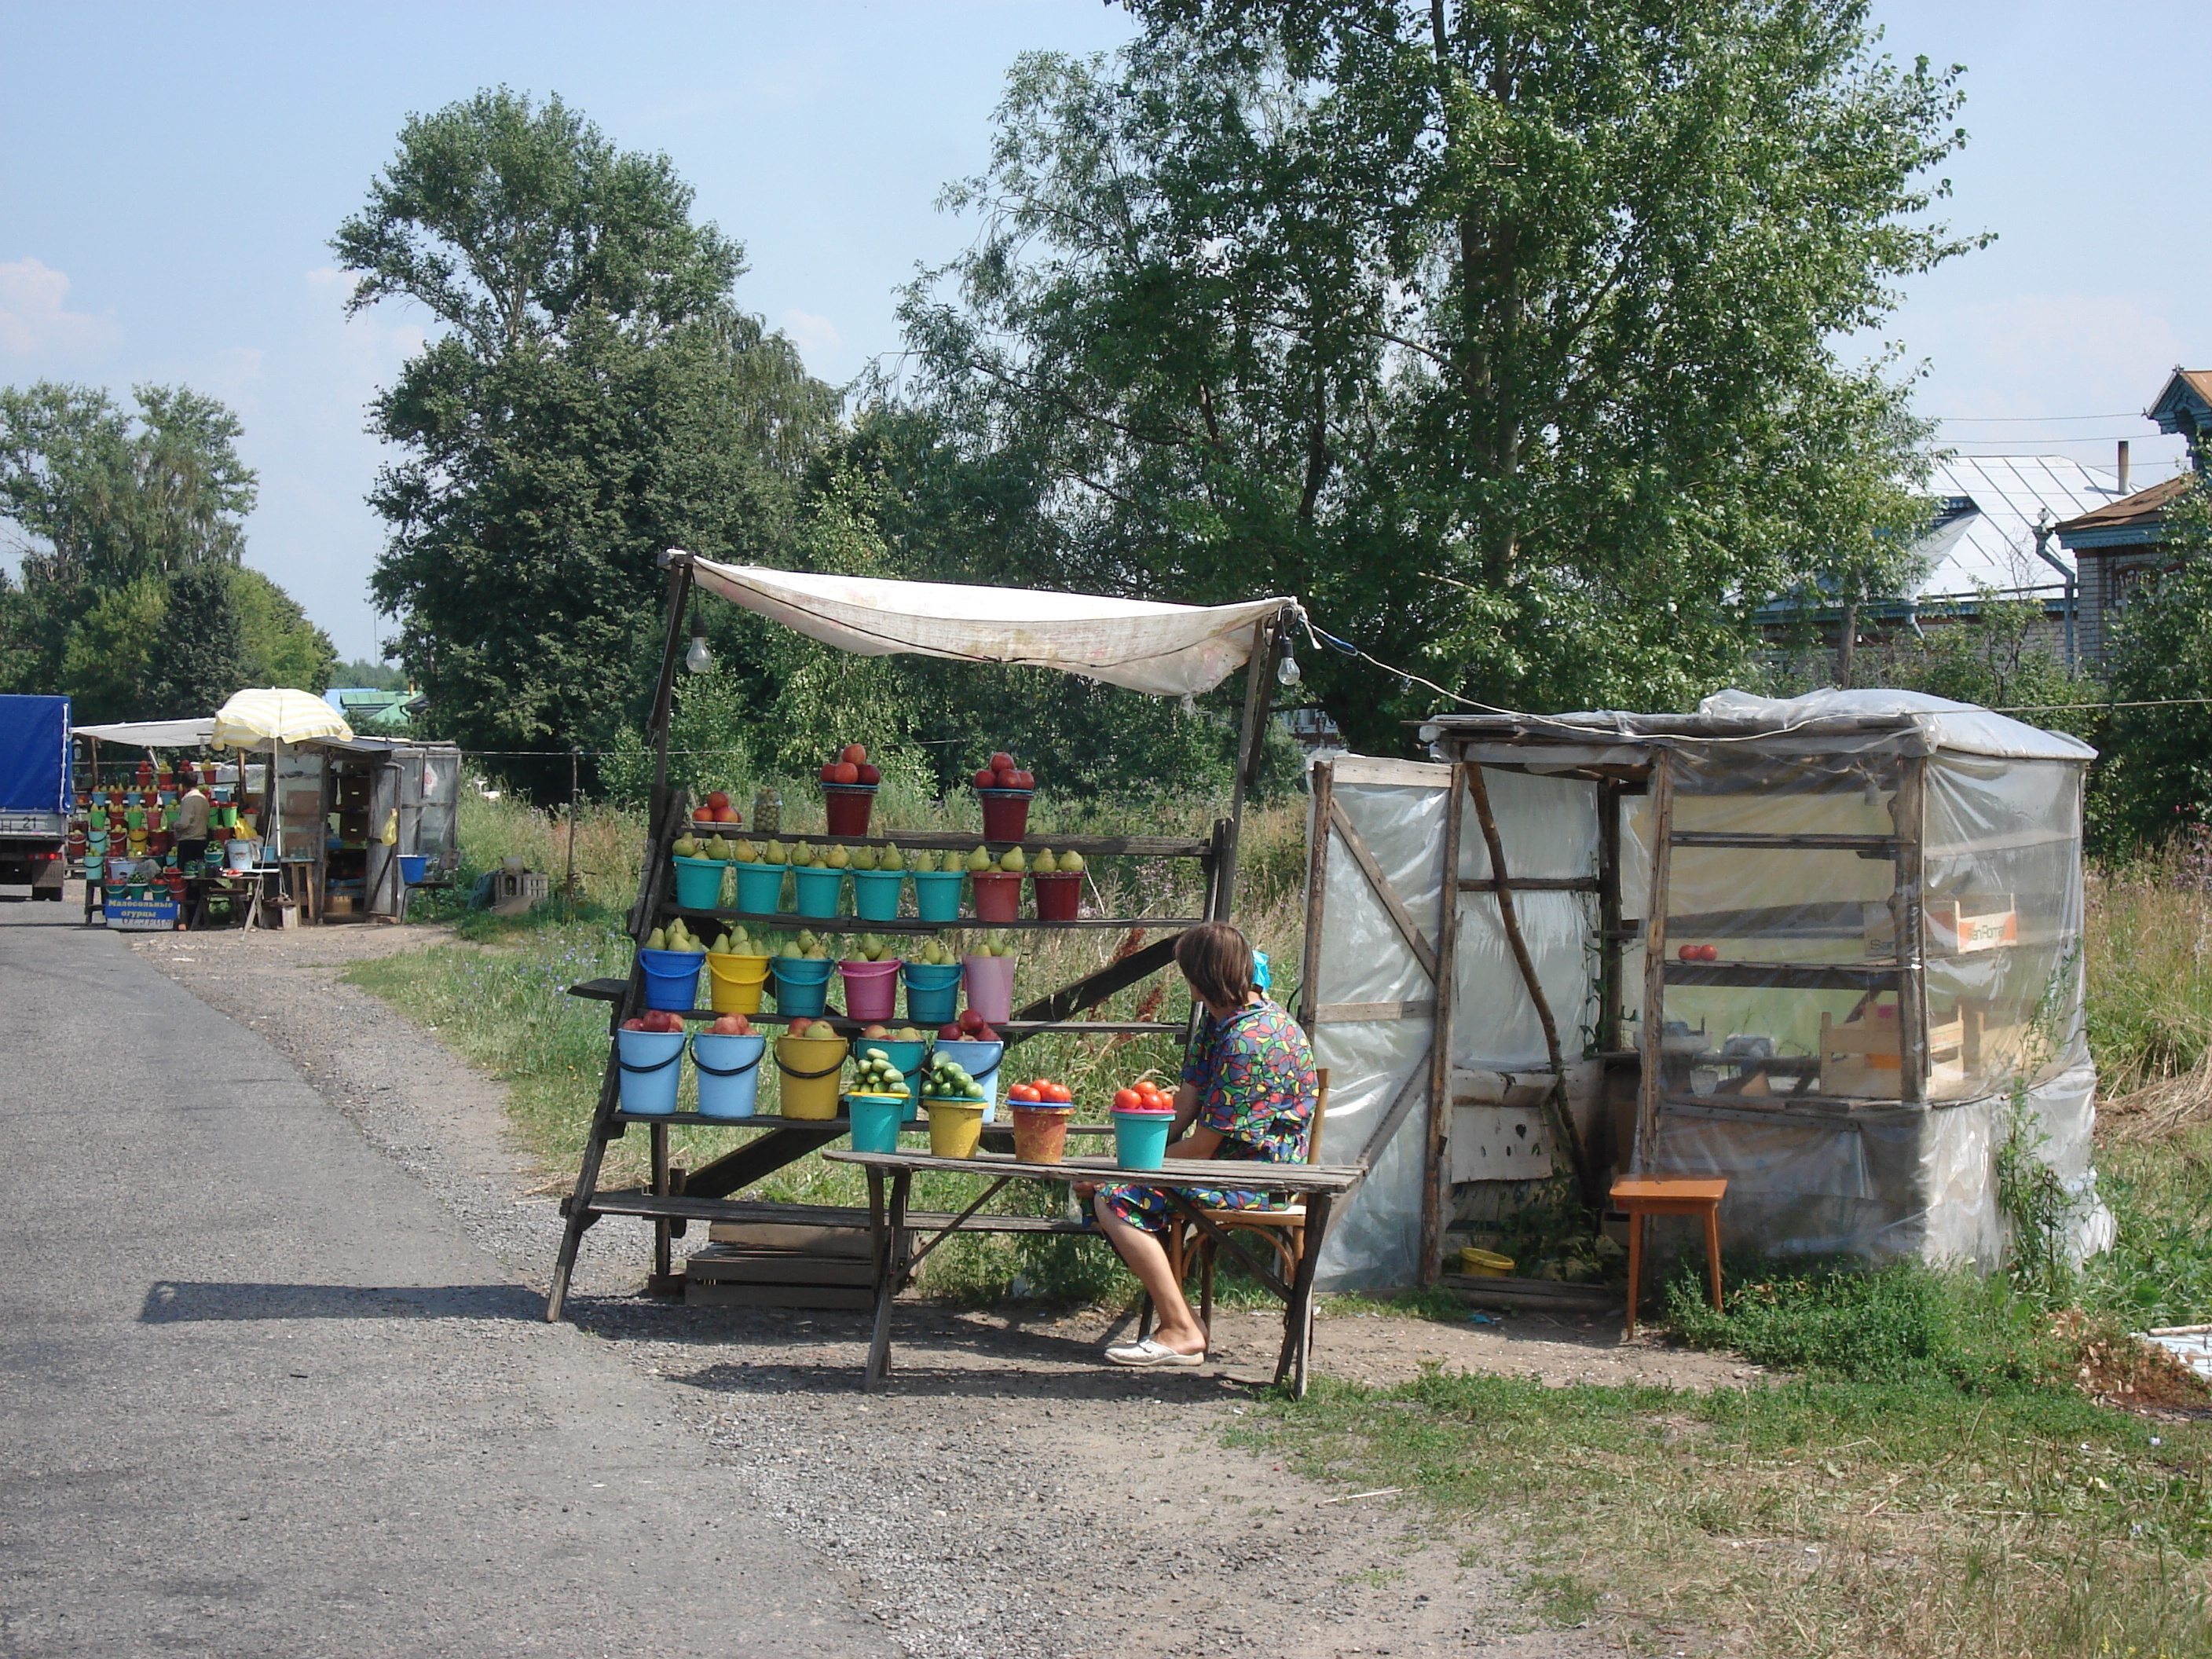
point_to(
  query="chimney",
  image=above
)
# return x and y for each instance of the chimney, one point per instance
(2124, 466)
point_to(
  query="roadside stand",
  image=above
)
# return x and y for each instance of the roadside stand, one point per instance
(887, 901)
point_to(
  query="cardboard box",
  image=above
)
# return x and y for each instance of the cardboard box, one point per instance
(1952, 926)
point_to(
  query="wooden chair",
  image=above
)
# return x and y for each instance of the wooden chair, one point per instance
(1284, 1229)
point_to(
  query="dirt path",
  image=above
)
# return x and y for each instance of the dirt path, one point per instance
(1010, 1495)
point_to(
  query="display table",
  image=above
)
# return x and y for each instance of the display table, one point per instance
(891, 1227)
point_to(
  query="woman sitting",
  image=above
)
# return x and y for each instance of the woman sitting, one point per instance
(1247, 1094)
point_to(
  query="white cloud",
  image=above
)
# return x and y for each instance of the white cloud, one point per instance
(34, 320)
(816, 337)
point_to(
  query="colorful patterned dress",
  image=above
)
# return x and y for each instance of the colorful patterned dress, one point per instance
(1255, 1075)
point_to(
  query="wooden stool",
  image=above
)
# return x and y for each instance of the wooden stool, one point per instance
(1644, 1196)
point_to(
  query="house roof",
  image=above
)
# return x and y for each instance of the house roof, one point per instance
(2137, 518)
(2187, 391)
(1988, 507)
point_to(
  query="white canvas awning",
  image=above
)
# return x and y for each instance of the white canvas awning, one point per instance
(1168, 650)
(152, 734)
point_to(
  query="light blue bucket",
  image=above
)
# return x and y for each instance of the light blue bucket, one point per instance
(932, 991)
(937, 894)
(875, 1121)
(650, 1069)
(876, 894)
(1140, 1139)
(981, 1061)
(908, 1057)
(698, 882)
(760, 887)
(802, 984)
(817, 893)
(729, 1072)
(671, 978)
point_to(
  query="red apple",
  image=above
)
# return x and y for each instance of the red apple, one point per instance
(718, 799)
(986, 779)
(983, 1034)
(951, 1030)
(853, 752)
(1002, 762)
(1005, 776)
(869, 774)
(844, 772)
(633, 1025)
(830, 773)
(1024, 779)
(970, 1020)
(731, 1025)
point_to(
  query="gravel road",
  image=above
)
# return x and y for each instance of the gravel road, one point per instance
(1008, 1495)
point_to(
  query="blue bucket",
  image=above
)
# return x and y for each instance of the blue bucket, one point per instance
(876, 1120)
(649, 1071)
(1140, 1139)
(817, 893)
(698, 882)
(908, 1057)
(937, 894)
(671, 978)
(802, 984)
(413, 867)
(760, 887)
(729, 1072)
(876, 894)
(981, 1061)
(932, 991)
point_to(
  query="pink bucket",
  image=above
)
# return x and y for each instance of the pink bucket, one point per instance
(991, 987)
(870, 990)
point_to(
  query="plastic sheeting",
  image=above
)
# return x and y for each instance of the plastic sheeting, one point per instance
(1168, 650)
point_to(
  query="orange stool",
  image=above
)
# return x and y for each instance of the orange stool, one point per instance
(1644, 1196)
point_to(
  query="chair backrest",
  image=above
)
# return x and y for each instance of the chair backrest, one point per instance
(1320, 1111)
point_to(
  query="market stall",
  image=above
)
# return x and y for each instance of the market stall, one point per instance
(810, 885)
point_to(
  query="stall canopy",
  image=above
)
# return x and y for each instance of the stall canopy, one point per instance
(274, 714)
(152, 734)
(1168, 650)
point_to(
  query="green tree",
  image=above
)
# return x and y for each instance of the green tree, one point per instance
(109, 650)
(2156, 778)
(1503, 334)
(593, 397)
(281, 647)
(203, 657)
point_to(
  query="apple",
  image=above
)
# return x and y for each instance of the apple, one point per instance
(633, 1025)
(853, 752)
(876, 1031)
(969, 1019)
(951, 1030)
(731, 1025)
(830, 773)
(1005, 776)
(1002, 762)
(845, 772)
(718, 799)
(983, 1034)
(1024, 779)
(869, 774)
(986, 779)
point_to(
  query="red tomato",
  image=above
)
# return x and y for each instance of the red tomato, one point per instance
(1687, 953)
(1127, 1100)
(1021, 1092)
(1709, 953)
(1059, 1094)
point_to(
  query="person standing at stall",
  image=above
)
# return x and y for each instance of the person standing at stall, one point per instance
(1247, 1094)
(191, 830)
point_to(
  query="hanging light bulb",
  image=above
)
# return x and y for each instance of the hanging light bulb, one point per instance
(698, 659)
(1287, 671)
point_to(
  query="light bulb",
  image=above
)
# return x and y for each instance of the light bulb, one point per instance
(1287, 671)
(698, 659)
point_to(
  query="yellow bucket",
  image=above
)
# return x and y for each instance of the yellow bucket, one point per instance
(1485, 1264)
(736, 982)
(811, 1067)
(955, 1127)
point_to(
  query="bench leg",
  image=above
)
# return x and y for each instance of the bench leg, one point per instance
(1298, 1311)
(888, 1241)
(1635, 1264)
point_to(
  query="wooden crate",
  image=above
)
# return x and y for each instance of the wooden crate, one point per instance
(1951, 927)
(1861, 1058)
(729, 1276)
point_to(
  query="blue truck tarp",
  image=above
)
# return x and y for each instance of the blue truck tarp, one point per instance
(35, 754)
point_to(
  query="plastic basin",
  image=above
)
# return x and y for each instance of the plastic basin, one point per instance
(849, 805)
(649, 1071)
(760, 887)
(735, 981)
(698, 882)
(802, 984)
(990, 986)
(981, 1061)
(809, 1068)
(1140, 1139)
(876, 894)
(1006, 813)
(932, 991)
(956, 1127)
(937, 894)
(1040, 1132)
(817, 891)
(876, 1120)
(672, 979)
(871, 989)
(998, 895)
(729, 1073)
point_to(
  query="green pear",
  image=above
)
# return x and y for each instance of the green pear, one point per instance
(864, 858)
(836, 859)
(1012, 862)
(1046, 865)
(686, 847)
(746, 853)
(776, 854)
(808, 939)
(980, 858)
(819, 953)
(790, 952)
(802, 855)
(1070, 864)
(890, 859)
(657, 939)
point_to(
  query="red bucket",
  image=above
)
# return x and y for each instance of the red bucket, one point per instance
(1059, 896)
(849, 805)
(1006, 813)
(998, 895)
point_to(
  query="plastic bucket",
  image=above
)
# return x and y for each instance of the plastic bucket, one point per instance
(1059, 897)
(1140, 1139)
(981, 1061)
(810, 1068)
(991, 987)
(937, 894)
(848, 804)
(1040, 1132)
(650, 1070)
(672, 979)
(240, 854)
(698, 882)
(735, 981)
(932, 991)
(413, 867)
(729, 1073)
(760, 887)
(871, 989)
(817, 891)
(802, 985)
(1006, 813)
(907, 1056)
(876, 894)
(120, 869)
(998, 895)
(955, 1127)
(876, 1120)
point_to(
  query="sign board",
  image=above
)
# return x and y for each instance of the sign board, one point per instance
(141, 915)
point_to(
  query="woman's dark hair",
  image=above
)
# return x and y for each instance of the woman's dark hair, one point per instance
(1216, 961)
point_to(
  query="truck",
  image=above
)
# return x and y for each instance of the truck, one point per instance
(34, 794)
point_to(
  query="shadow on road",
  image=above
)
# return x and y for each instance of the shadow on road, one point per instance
(171, 1302)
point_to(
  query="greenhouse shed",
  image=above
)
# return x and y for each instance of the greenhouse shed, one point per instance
(1829, 948)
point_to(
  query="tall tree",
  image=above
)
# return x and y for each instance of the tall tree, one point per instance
(593, 397)
(1502, 332)
(2156, 778)
(203, 658)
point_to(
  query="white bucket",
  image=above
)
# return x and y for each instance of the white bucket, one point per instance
(239, 855)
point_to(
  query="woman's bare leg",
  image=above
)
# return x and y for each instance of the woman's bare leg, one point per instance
(1148, 1259)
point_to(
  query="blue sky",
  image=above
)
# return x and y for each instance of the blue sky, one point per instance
(173, 175)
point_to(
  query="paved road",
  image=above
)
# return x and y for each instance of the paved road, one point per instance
(258, 1394)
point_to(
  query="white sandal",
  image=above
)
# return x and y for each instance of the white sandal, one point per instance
(1151, 1355)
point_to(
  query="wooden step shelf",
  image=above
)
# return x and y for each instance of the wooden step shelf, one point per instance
(790, 921)
(612, 990)
(1131, 847)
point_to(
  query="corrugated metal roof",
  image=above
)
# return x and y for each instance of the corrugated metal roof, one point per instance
(1985, 535)
(2145, 506)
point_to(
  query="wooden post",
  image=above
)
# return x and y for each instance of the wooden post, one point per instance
(1324, 796)
(1609, 917)
(1251, 745)
(664, 695)
(1907, 914)
(1435, 1190)
(1654, 960)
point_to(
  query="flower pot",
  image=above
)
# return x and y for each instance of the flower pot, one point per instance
(649, 1071)
(729, 1072)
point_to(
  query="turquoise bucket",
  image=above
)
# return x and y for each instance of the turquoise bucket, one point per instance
(937, 894)
(729, 1072)
(817, 893)
(1140, 1139)
(760, 887)
(876, 894)
(908, 1057)
(650, 1069)
(876, 1120)
(981, 1061)
(932, 991)
(802, 984)
(698, 882)
(672, 979)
